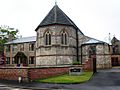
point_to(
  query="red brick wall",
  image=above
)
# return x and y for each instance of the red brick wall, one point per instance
(37, 73)
(13, 74)
(31, 73)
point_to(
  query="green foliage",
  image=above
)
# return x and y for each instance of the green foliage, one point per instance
(4, 36)
(76, 63)
(68, 79)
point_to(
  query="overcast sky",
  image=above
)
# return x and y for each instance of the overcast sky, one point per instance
(95, 18)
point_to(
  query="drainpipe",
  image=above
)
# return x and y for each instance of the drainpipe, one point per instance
(77, 43)
(81, 54)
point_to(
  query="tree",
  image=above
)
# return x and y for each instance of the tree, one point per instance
(6, 34)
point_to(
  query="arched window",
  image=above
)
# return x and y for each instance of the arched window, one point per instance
(64, 39)
(48, 38)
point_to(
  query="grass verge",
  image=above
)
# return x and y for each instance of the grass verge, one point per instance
(68, 79)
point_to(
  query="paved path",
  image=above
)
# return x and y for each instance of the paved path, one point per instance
(103, 80)
(5, 87)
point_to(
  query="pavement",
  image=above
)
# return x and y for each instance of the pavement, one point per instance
(102, 80)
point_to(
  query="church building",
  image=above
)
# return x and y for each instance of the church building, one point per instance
(58, 42)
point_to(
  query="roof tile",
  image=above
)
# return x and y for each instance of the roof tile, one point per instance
(57, 16)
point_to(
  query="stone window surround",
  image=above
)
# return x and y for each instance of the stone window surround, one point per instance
(47, 37)
(31, 46)
(50, 33)
(7, 60)
(31, 59)
(64, 37)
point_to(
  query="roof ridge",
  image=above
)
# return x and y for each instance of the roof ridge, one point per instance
(55, 20)
(57, 16)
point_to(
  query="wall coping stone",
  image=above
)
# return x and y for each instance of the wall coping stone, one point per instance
(41, 67)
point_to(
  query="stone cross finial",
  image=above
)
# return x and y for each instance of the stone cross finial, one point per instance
(55, 2)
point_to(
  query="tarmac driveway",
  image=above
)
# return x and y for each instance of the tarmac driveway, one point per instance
(106, 78)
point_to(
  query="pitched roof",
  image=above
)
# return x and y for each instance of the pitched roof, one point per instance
(114, 40)
(23, 40)
(57, 16)
(93, 41)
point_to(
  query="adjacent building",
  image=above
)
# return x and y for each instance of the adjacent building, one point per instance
(115, 51)
(20, 51)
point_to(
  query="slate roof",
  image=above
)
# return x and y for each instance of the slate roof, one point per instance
(57, 16)
(23, 40)
(93, 41)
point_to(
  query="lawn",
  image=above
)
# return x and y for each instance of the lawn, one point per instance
(68, 79)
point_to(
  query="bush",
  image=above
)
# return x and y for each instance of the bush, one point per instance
(76, 63)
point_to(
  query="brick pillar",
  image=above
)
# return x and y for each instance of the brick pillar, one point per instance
(88, 66)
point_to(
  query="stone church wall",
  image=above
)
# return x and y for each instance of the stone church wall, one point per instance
(103, 57)
(56, 53)
(82, 40)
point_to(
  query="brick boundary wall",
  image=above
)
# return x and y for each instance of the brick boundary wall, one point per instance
(39, 73)
(30, 74)
(88, 65)
(13, 73)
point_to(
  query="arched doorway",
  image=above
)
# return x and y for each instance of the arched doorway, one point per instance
(21, 58)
